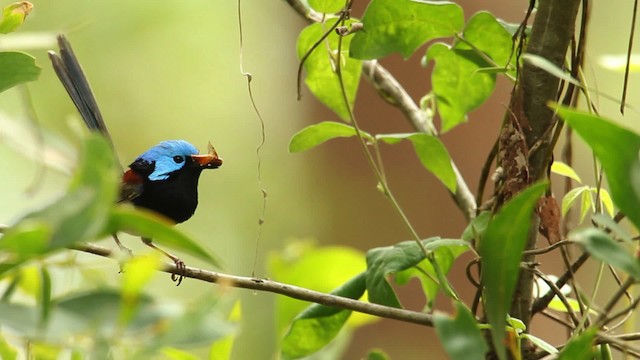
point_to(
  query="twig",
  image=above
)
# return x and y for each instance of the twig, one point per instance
(291, 291)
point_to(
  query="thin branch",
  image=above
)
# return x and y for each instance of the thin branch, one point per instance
(392, 92)
(288, 290)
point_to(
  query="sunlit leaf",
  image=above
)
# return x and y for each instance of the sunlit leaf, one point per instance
(14, 15)
(321, 65)
(138, 272)
(586, 204)
(299, 264)
(617, 149)
(432, 154)
(618, 62)
(403, 26)
(17, 68)
(316, 134)
(603, 248)
(177, 354)
(457, 81)
(607, 202)
(318, 324)
(460, 335)
(327, 6)
(563, 169)
(501, 251)
(571, 197)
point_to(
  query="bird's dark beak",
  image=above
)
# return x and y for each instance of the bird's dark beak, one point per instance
(207, 161)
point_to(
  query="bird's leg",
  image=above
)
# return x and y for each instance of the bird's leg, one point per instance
(122, 248)
(179, 263)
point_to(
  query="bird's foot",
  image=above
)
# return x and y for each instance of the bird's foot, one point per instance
(181, 268)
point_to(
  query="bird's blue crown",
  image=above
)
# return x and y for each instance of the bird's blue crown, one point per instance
(169, 156)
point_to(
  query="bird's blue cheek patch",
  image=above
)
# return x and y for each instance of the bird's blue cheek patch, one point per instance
(164, 167)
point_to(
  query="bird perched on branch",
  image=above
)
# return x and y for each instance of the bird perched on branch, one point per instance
(164, 179)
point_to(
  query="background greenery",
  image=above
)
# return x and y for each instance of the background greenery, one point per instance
(171, 70)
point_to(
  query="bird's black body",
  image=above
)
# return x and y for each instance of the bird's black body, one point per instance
(175, 197)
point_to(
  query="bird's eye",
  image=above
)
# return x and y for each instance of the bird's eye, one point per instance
(178, 159)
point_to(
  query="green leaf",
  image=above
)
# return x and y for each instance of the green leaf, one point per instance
(562, 169)
(327, 6)
(457, 81)
(477, 227)
(617, 149)
(501, 250)
(17, 68)
(571, 197)
(149, 225)
(177, 354)
(377, 354)
(541, 343)
(586, 204)
(138, 272)
(299, 263)
(607, 202)
(316, 134)
(320, 66)
(580, 347)
(14, 15)
(444, 256)
(460, 335)
(318, 324)
(384, 261)
(81, 214)
(603, 248)
(432, 154)
(403, 26)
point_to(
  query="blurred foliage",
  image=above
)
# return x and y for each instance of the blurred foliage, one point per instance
(55, 302)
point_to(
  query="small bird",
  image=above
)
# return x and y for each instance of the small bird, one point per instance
(164, 179)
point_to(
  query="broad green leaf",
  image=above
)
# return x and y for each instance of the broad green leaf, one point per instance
(457, 84)
(489, 36)
(316, 134)
(445, 256)
(17, 68)
(460, 335)
(81, 214)
(562, 169)
(570, 197)
(403, 26)
(327, 6)
(580, 347)
(384, 261)
(303, 264)
(501, 250)
(14, 15)
(321, 66)
(603, 248)
(617, 149)
(432, 154)
(541, 343)
(149, 225)
(318, 324)
(457, 81)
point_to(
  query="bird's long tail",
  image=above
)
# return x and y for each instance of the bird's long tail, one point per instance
(72, 77)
